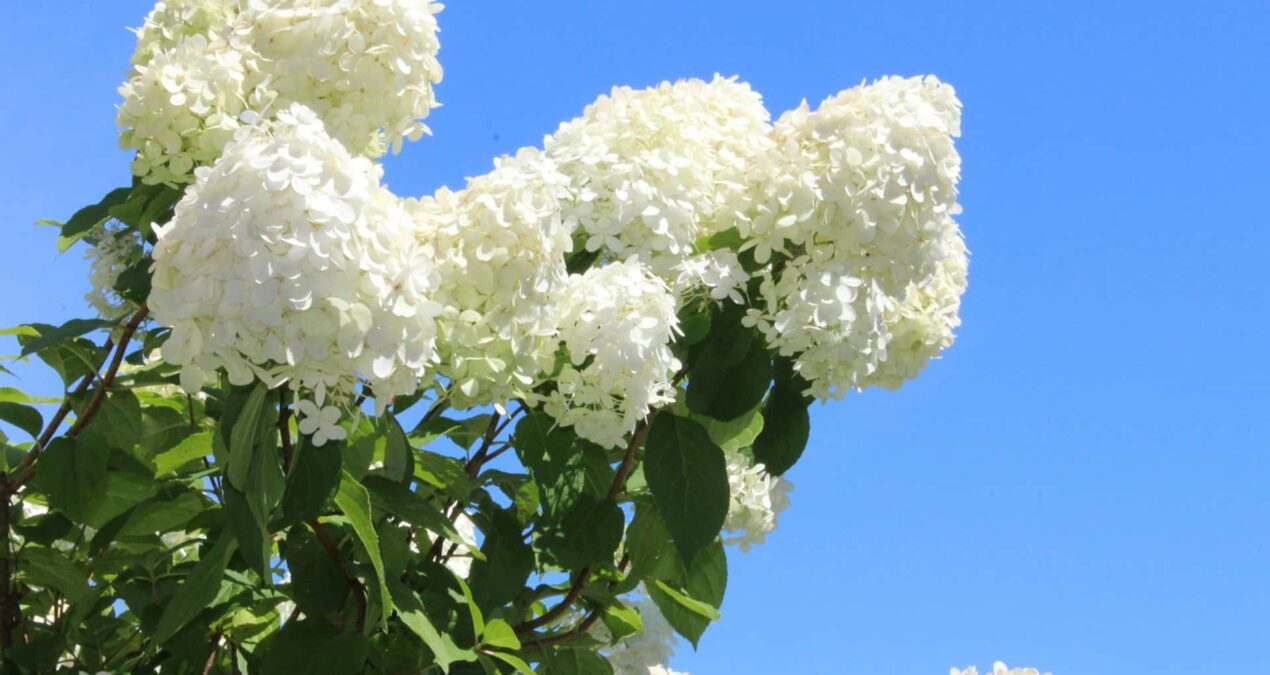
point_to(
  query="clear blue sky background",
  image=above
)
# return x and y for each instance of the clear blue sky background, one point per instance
(1081, 484)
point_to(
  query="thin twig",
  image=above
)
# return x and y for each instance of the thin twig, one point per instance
(211, 658)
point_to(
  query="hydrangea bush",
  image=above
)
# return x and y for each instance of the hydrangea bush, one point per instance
(315, 426)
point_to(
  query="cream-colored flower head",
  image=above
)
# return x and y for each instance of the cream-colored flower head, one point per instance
(859, 199)
(366, 67)
(288, 261)
(650, 171)
(617, 323)
(500, 246)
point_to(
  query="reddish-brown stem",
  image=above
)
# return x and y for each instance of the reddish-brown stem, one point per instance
(333, 550)
(211, 657)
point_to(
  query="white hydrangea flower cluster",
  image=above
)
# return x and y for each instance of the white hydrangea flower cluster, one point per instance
(861, 197)
(653, 170)
(182, 105)
(367, 67)
(114, 249)
(617, 323)
(500, 246)
(718, 272)
(288, 261)
(756, 501)
(646, 652)
(998, 668)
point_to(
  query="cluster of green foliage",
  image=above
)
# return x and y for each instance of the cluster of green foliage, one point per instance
(147, 530)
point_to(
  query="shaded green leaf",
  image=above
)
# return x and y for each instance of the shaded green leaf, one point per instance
(354, 502)
(199, 589)
(688, 476)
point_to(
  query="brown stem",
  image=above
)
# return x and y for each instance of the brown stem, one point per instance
(583, 626)
(333, 550)
(211, 658)
(122, 645)
(584, 575)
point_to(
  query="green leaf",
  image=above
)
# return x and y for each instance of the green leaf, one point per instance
(190, 448)
(244, 438)
(589, 533)
(67, 331)
(161, 515)
(344, 654)
(315, 474)
(647, 538)
(507, 564)
(23, 417)
(622, 621)
(554, 458)
(691, 607)
(161, 428)
(410, 610)
(117, 423)
(499, 633)
(513, 661)
(71, 476)
(576, 662)
(688, 477)
(11, 395)
(252, 535)
(398, 500)
(199, 589)
(787, 424)
(354, 502)
(51, 568)
(317, 583)
(724, 388)
(91, 216)
(398, 455)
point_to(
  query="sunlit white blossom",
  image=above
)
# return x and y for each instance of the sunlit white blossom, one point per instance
(500, 246)
(859, 198)
(367, 67)
(288, 261)
(653, 170)
(617, 323)
(756, 501)
(719, 273)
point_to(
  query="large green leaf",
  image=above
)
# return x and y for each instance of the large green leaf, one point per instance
(555, 459)
(67, 331)
(92, 215)
(354, 502)
(23, 417)
(507, 565)
(588, 534)
(731, 369)
(199, 589)
(691, 606)
(787, 424)
(411, 611)
(575, 662)
(317, 583)
(688, 477)
(244, 438)
(71, 474)
(190, 448)
(398, 455)
(314, 477)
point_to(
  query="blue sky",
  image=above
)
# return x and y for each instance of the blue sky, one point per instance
(1081, 484)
